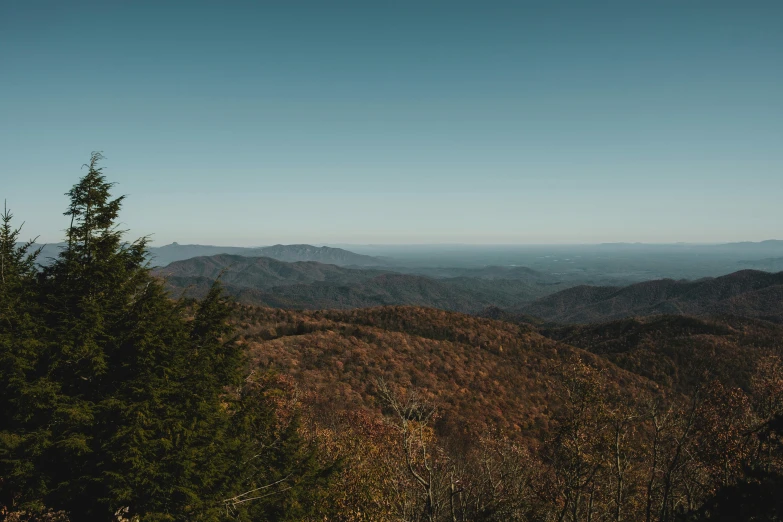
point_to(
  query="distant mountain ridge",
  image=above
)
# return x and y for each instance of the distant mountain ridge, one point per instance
(767, 243)
(262, 272)
(749, 293)
(312, 285)
(770, 264)
(164, 255)
(489, 272)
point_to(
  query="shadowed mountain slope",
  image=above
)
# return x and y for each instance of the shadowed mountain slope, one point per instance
(262, 272)
(679, 351)
(747, 293)
(311, 285)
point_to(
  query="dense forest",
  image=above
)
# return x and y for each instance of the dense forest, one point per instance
(121, 401)
(750, 293)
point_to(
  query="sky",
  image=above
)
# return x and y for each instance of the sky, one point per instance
(254, 123)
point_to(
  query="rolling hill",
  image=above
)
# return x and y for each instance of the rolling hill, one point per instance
(490, 372)
(679, 351)
(480, 372)
(748, 293)
(162, 256)
(311, 285)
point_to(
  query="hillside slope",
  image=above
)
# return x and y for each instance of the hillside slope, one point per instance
(481, 373)
(679, 351)
(488, 374)
(262, 272)
(747, 293)
(311, 285)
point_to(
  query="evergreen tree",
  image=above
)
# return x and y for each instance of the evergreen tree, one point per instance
(277, 473)
(138, 415)
(87, 293)
(20, 328)
(118, 396)
(17, 272)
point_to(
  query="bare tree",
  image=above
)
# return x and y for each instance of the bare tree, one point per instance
(412, 416)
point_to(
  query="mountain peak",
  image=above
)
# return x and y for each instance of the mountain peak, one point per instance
(167, 254)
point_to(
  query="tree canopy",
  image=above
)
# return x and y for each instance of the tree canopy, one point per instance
(118, 399)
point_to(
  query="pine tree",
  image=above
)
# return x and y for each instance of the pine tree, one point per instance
(130, 427)
(277, 473)
(119, 399)
(86, 294)
(17, 273)
(20, 328)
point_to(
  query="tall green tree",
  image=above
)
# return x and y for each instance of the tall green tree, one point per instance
(17, 273)
(134, 411)
(138, 417)
(87, 292)
(20, 331)
(16, 267)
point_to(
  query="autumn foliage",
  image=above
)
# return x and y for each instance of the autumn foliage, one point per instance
(443, 416)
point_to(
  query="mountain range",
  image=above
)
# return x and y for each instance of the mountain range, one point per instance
(749, 293)
(511, 293)
(311, 285)
(164, 255)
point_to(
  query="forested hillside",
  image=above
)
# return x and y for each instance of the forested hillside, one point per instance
(653, 419)
(483, 374)
(749, 293)
(124, 402)
(313, 286)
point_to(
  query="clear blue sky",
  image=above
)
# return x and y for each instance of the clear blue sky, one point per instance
(253, 123)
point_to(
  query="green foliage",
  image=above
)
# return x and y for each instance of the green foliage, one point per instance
(117, 399)
(20, 324)
(278, 475)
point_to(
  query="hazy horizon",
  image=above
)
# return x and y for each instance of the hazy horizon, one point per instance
(157, 244)
(355, 123)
